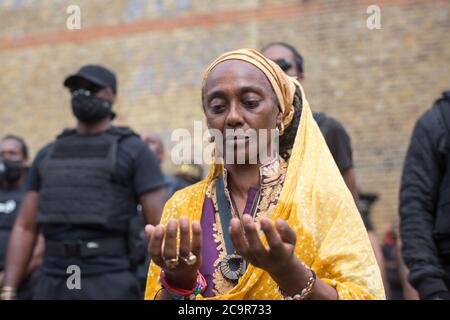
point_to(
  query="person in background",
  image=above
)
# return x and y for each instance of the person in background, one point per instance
(425, 203)
(396, 270)
(156, 145)
(13, 174)
(82, 192)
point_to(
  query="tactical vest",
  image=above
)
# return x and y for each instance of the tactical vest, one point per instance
(79, 185)
(441, 230)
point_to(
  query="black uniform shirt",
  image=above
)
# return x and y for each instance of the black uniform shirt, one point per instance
(10, 200)
(339, 143)
(337, 139)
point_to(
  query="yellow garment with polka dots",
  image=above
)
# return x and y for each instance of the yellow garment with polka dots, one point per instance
(331, 237)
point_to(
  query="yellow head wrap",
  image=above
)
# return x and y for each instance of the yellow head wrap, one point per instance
(282, 84)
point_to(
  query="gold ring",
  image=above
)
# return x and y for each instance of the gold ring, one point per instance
(171, 263)
(190, 260)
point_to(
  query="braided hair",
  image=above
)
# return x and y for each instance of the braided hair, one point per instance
(288, 137)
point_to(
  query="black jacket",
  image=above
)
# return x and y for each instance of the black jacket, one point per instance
(423, 171)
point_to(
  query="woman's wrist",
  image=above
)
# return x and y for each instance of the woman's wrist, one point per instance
(185, 280)
(184, 294)
(297, 277)
(292, 277)
(285, 271)
(306, 292)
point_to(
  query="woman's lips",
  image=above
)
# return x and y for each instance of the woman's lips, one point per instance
(237, 140)
(241, 143)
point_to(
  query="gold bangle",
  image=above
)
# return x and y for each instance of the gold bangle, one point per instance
(8, 296)
(8, 289)
(8, 293)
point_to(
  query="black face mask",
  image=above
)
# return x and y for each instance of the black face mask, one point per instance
(10, 170)
(89, 109)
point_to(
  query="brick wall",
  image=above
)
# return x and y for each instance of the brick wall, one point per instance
(376, 82)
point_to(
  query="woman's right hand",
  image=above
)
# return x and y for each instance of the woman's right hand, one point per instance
(163, 247)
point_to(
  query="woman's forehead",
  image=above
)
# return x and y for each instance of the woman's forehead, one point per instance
(237, 73)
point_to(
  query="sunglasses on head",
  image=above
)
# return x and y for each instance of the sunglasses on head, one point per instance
(284, 64)
(87, 85)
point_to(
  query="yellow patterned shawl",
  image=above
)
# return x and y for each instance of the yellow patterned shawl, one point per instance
(331, 238)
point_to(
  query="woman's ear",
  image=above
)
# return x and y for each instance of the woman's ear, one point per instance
(279, 117)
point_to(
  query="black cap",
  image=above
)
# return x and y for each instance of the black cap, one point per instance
(95, 74)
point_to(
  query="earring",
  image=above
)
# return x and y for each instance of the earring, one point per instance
(280, 128)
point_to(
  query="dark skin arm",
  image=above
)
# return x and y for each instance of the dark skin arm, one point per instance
(350, 180)
(38, 254)
(380, 260)
(152, 203)
(36, 259)
(22, 240)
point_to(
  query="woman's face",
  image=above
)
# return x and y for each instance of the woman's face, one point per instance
(237, 95)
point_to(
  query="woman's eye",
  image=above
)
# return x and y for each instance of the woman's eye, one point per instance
(218, 108)
(251, 103)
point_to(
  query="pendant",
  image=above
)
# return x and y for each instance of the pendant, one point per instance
(232, 267)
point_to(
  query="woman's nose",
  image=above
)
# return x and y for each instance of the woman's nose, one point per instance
(234, 117)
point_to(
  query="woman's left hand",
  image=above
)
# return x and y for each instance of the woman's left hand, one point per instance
(281, 239)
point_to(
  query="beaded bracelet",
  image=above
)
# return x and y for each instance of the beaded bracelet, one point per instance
(182, 294)
(306, 291)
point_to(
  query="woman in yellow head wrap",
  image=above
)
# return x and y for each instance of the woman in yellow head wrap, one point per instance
(286, 227)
